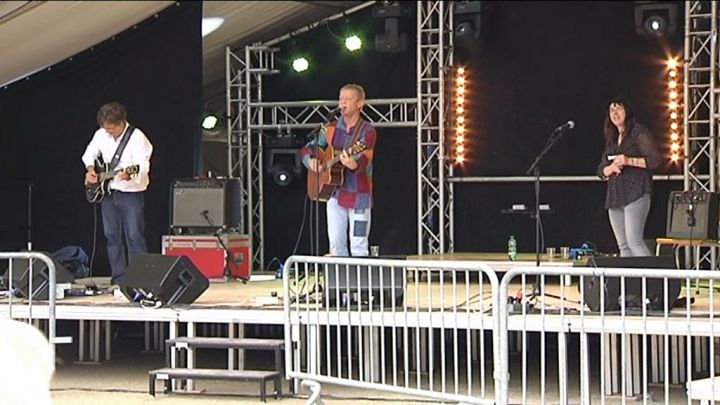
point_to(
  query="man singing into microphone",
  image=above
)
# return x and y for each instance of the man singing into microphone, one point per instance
(627, 163)
(348, 209)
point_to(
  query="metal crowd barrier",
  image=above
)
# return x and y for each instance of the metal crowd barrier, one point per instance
(421, 328)
(18, 264)
(636, 346)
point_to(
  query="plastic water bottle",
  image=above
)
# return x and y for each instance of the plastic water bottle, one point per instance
(512, 248)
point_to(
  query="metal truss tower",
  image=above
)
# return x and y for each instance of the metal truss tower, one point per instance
(701, 91)
(700, 81)
(434, 66)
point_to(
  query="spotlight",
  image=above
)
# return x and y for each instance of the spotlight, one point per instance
(282, 174)
(468, 26)
(282, 158)
(210, 122)
(391, 40)
(655, 20)
(353, 43)
(300, 64)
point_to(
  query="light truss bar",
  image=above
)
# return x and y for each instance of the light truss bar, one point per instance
(387, 113)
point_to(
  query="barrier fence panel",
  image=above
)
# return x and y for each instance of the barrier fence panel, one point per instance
(613, 336)
(423, 328)
(23, 270)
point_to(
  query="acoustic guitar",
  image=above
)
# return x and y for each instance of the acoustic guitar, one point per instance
(321, 185)
(96, 192)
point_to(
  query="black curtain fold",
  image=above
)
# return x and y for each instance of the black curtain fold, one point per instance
(46, 121)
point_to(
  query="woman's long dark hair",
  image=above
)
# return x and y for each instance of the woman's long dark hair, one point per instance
(610, 130)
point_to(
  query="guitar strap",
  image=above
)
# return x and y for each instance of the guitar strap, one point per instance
(121, 148)
(356, 132)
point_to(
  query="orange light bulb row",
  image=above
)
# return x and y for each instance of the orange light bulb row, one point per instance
(674, 103)
(460, 122)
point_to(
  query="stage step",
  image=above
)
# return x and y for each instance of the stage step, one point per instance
(168, 374)
(275, 345)
(226, 343)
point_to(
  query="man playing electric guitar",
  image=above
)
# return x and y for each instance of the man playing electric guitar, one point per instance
(124, 146)
(350, 203)
(95, 192)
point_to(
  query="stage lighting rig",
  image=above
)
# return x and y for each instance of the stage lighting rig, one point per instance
(655, 20)
(282, 157)
(468, 27)
(391, 40)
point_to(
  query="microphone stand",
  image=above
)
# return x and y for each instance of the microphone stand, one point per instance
(313, 137)
(535, 169)
(230, 259)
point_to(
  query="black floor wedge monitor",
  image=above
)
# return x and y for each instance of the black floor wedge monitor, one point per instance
(364, 286)
(654, 290)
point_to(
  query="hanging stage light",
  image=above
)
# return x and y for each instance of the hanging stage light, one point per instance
(655, 20)
(300, 64)
(210, 122)
(353, 43)
(282, 157)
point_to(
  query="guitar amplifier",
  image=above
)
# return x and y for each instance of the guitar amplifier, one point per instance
(693, 214)
(205, 204)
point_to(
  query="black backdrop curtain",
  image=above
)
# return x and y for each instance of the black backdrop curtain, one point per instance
(155, 70)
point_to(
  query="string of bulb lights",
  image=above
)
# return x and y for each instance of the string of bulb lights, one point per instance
(674, 96)
(460, 121)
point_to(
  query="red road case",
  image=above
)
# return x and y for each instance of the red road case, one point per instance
(209, 256)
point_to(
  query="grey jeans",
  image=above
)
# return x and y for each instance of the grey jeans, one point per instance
(628, 225)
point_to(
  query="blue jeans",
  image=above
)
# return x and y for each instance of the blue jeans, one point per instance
(124, 223)
(628, 225)
(338, 219)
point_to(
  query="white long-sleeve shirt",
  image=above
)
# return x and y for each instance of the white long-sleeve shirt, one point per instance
(137, 152)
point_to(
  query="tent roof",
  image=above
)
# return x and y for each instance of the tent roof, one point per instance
(35, 35)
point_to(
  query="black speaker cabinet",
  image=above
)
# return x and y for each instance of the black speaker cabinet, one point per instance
(40, 277)
(692, 214)
(168, 279)
(205, 203)
(654, 287)
(363, 287)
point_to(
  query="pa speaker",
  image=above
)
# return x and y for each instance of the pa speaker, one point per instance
(166, 279)
(205, 203)
(693, 215)
(40, 277)
(364, 285)
(654, 287)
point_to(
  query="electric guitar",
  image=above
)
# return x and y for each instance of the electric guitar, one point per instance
(320, 185)
(96, 192)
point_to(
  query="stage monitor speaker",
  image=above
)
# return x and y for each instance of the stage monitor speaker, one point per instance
(167, 279)
(40, 277)
(654, 287)
(342, 282)
(196, 203)
(693, 215)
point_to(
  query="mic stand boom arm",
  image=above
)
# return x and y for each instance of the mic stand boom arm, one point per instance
(535, 169)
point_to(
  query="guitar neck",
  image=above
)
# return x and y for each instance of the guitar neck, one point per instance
(109, 175)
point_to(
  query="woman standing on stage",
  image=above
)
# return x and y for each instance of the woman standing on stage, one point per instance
(627, 163)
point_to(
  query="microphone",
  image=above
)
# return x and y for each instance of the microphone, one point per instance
(568, 125)
(333, 113)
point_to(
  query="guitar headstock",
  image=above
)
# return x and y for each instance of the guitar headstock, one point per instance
(357, 148)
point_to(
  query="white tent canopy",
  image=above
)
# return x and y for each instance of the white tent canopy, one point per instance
(35, 35)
